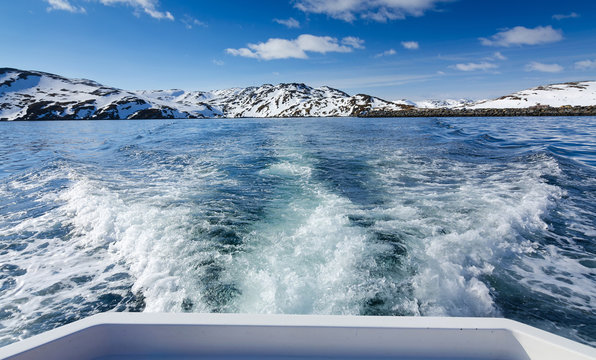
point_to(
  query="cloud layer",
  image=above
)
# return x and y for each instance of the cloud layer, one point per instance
(354, 42)
(289, 23)
(549, 68)
(566, 16)
(149, 7)
(377, 10)
(64, 5)
(499, 56)
(386, 53)
(298, 48)
(520, 35)
(410, 45)
(484, 66)
(585, 65)
(190, 22)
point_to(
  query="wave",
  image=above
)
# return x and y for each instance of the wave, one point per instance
(410, 220)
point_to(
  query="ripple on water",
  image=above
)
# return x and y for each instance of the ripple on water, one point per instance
(490, 217)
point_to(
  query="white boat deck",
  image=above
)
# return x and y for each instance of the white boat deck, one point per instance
(233, 336)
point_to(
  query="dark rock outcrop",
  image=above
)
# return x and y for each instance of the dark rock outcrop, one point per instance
(531, 111)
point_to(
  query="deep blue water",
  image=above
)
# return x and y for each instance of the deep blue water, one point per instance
(457, 217)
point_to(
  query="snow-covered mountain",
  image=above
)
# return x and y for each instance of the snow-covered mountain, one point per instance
(283, 100)
(581, 93)
(443, 104)
(33, 95)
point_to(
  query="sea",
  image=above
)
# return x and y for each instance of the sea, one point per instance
(480, 217)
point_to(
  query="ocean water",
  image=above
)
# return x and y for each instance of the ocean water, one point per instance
(402, 217)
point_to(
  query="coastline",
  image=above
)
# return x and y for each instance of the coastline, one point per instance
(507, 112)
(413, 113)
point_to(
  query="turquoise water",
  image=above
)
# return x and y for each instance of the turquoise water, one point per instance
(421, 217)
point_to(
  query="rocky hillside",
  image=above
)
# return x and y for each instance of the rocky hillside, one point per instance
(443, 104)
(581, 93)
(283, 100)
(33, 95)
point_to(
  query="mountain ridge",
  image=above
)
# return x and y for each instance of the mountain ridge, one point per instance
(575, 93)
(37, 95)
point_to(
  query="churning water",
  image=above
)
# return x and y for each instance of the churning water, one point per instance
(451, 217)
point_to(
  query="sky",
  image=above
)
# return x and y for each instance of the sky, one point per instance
(394, 49)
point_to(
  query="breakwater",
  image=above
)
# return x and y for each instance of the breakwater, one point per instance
(531, 111)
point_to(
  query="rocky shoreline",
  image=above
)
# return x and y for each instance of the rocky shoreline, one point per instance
(531, 111)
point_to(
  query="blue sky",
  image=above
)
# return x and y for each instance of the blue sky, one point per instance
(394, 49)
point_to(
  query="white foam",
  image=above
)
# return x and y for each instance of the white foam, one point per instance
(114, 226)
(307, 264)
(148, 234)
(458, 223)
(53, 260)
(465, 229)
(303, 257)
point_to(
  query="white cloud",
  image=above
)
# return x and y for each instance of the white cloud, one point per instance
(272, 49)
(484, 66)
(354, 42)
(565, 16)
(386, 53)
(410, 45)
(585, 65)
(550, 68)
(321, 44)
(64, 5)
(218, 62)
(244, 52)
(377, 10)
(289, 23)
(149, 7)
(520, 35)
(499, 56)
(297, 48)
(190, 22)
